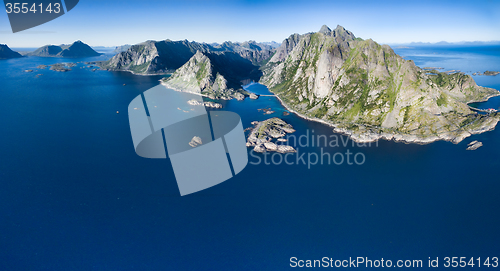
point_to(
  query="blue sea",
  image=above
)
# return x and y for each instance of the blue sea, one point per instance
(75, 196)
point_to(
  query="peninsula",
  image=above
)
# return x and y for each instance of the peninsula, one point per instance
(76, 49)
(7, 53)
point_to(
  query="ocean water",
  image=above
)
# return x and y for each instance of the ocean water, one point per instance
(75, 196)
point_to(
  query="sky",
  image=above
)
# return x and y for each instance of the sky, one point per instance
(118, 22)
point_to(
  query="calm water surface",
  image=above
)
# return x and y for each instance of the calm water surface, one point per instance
(75, 196)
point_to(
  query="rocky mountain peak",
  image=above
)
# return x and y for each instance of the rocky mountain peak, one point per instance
(325, 30)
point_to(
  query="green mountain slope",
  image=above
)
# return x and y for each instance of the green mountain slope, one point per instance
(157, 57)
(215, 75)
(367, 91)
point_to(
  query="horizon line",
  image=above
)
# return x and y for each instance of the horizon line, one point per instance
(389, 43)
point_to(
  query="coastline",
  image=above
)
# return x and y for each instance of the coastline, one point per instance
(369, 137)
(143, 74)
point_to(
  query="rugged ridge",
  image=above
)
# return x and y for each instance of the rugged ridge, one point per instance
(216, 75)
(367, 91)
(122, 48)
(158, 57)
(154, 57)
(76, 49)
(6, 52)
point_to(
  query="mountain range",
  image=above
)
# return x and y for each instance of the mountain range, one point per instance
(217, 75)
(359, 87)
(157, 57)
(76, 49)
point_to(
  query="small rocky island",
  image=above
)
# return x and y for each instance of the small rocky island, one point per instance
(265, 132)
(488, 73)
(474, 145)
(76, 49)
(205, 74)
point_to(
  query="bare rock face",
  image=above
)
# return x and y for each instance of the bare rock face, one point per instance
(352, 83)
(285, 149)
(259, 148)
(204, 74)
(206, 104)
(270, 146)
(76, 49)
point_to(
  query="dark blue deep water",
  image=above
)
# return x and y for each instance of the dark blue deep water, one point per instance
(75, 196)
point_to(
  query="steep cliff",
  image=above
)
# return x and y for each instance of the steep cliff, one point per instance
(216, 75)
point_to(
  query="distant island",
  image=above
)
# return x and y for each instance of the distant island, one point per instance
(358, 87)
(7, 53)
(488, 73)
(76, 49)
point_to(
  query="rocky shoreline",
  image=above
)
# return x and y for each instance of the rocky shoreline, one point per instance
(60, 67)
(264, 132)
(474, 145)
(368, 136)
